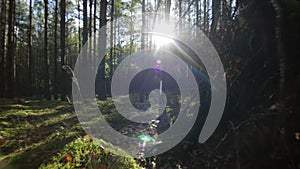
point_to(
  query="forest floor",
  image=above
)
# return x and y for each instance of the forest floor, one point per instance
(33, 131)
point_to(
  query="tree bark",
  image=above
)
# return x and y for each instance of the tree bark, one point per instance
(85, 31)
(79, 29)
(95, 16)
(62, 46)
(205, 18)
(103, 22)
(111, 37)
(215, 17)
(85, 23)
(10, 50)
(55, 51)
(2, 50)
(47, 80)
(197, 12)
(90, 31)
(180, 8)
(29, 56)
(168, 9)
(95, 29)
(143, 25)
(91, 16)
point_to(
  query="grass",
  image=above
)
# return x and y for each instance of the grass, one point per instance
(34, 132)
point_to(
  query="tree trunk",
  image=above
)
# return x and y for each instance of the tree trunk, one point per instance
(2, 49)
(90, 31)
(85, 31)
(10, 50)
(215, 17)
(111, 38)
(168, 9)
(205, 18)
(95, 29)
(223, 16)
(91, 16)
(197, 12)
(143, 25)
(103, 22)
(180, 8)
(62, 46)
(47, 80)
(95, 16)
(200, 13)
(55, 82)
(79, 29)
(30, 64)
(180, 14)
(85, 26)
(207, 15)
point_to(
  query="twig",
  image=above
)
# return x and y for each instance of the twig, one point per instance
(69, 70)
(222, 139)
(71, 73)
(234, 129)
(69, 100)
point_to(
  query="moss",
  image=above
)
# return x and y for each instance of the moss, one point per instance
(87, 153)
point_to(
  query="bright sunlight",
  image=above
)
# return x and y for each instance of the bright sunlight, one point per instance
(160, 40)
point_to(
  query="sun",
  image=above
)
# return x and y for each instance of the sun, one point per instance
(160, 40)
(161, 33)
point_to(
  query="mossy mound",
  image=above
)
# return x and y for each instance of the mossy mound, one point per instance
(89, 154)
